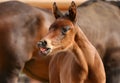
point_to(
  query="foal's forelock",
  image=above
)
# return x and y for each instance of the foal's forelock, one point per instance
(62, 22)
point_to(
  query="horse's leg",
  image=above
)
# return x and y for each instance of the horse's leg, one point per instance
(8, 79)
(112, 65)
(10, 66)
(9, 75)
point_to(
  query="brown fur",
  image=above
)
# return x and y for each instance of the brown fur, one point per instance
(100, 23)
(20, 27)
(80, 66)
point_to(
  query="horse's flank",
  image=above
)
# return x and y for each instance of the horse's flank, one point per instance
(20, 27)
(100, 23)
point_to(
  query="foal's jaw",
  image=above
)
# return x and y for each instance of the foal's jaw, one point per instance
(50, 48)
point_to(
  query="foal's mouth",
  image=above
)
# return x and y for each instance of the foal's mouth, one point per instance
(44, 50)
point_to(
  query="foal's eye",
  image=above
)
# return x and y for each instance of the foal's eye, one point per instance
(65, 29)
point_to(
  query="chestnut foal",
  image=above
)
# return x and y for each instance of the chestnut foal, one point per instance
(82, 64)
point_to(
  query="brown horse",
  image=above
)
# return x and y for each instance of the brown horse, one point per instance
(103, 31)
(84, 64)
(100, 23)
(21, 26)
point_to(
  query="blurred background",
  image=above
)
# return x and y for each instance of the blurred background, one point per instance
(63, 4)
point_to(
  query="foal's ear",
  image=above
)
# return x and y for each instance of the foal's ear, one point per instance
(56, 11)
(72, 11)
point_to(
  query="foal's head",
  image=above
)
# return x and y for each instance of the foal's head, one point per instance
(61, 33)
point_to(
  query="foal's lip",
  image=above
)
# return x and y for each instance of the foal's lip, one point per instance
(44, 50)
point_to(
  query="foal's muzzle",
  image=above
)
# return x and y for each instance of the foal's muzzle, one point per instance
(42, 45)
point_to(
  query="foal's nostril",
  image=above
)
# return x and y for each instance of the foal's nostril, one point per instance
(42, 43)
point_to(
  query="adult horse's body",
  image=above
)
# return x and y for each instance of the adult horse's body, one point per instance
(20, 27)
(100, 23)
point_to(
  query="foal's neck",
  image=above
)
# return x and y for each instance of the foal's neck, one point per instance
(85, 46)
(79, 56)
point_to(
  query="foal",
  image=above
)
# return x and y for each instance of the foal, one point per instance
(82, 64)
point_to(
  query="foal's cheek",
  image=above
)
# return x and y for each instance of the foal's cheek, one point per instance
(56, 41)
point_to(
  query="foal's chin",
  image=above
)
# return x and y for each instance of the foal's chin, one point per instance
(45, 53)
(48, 53)
(56, 51)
